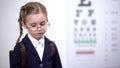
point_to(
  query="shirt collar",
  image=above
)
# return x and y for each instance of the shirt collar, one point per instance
(34, 41)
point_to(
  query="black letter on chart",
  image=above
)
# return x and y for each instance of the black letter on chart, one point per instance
(83, 3)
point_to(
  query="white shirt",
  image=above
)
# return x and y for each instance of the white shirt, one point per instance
(38, 44)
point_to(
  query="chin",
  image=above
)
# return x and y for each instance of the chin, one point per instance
(38, 37)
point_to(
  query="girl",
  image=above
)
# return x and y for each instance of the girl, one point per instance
(33, 17)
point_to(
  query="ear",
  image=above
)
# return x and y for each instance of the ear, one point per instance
(23, 24)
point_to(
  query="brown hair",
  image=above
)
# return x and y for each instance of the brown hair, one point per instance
(27, 9)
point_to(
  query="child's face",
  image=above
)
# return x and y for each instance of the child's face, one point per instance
(36, 25)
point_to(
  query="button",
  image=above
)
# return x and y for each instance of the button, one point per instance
(41, 65)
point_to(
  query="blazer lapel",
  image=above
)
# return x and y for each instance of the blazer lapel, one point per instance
(30, 46)
(47, 49)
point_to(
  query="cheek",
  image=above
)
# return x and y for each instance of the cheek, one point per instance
(44, 30)
(31, 31)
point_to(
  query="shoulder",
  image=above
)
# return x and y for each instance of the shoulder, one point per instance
(48, 41)
(18, 46)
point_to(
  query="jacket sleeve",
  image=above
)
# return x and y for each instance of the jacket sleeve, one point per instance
(57, 61)
(15, 58)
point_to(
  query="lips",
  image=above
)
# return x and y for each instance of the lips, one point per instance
(39, 33)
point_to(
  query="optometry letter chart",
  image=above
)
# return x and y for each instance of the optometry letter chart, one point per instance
(93, 34)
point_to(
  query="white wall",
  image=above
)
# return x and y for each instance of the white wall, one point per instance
(9, 30)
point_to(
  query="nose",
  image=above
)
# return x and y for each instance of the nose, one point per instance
(39, 27)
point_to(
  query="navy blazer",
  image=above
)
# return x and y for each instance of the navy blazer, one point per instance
(32, 58)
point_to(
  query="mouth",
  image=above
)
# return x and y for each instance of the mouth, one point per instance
(39, 33)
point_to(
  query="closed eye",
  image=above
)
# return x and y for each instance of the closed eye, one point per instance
(33, 25)
(42, 23)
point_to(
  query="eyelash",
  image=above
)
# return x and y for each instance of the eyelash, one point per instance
(33, 25)
(41, 24)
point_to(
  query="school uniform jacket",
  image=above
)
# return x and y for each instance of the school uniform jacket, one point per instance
(32, 58)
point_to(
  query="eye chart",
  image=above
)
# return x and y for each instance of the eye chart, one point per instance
(93, 33)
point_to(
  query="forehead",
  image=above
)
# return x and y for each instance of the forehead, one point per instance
(36, 18)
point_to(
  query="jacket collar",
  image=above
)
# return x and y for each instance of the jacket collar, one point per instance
(32, 49)
(35, 42)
